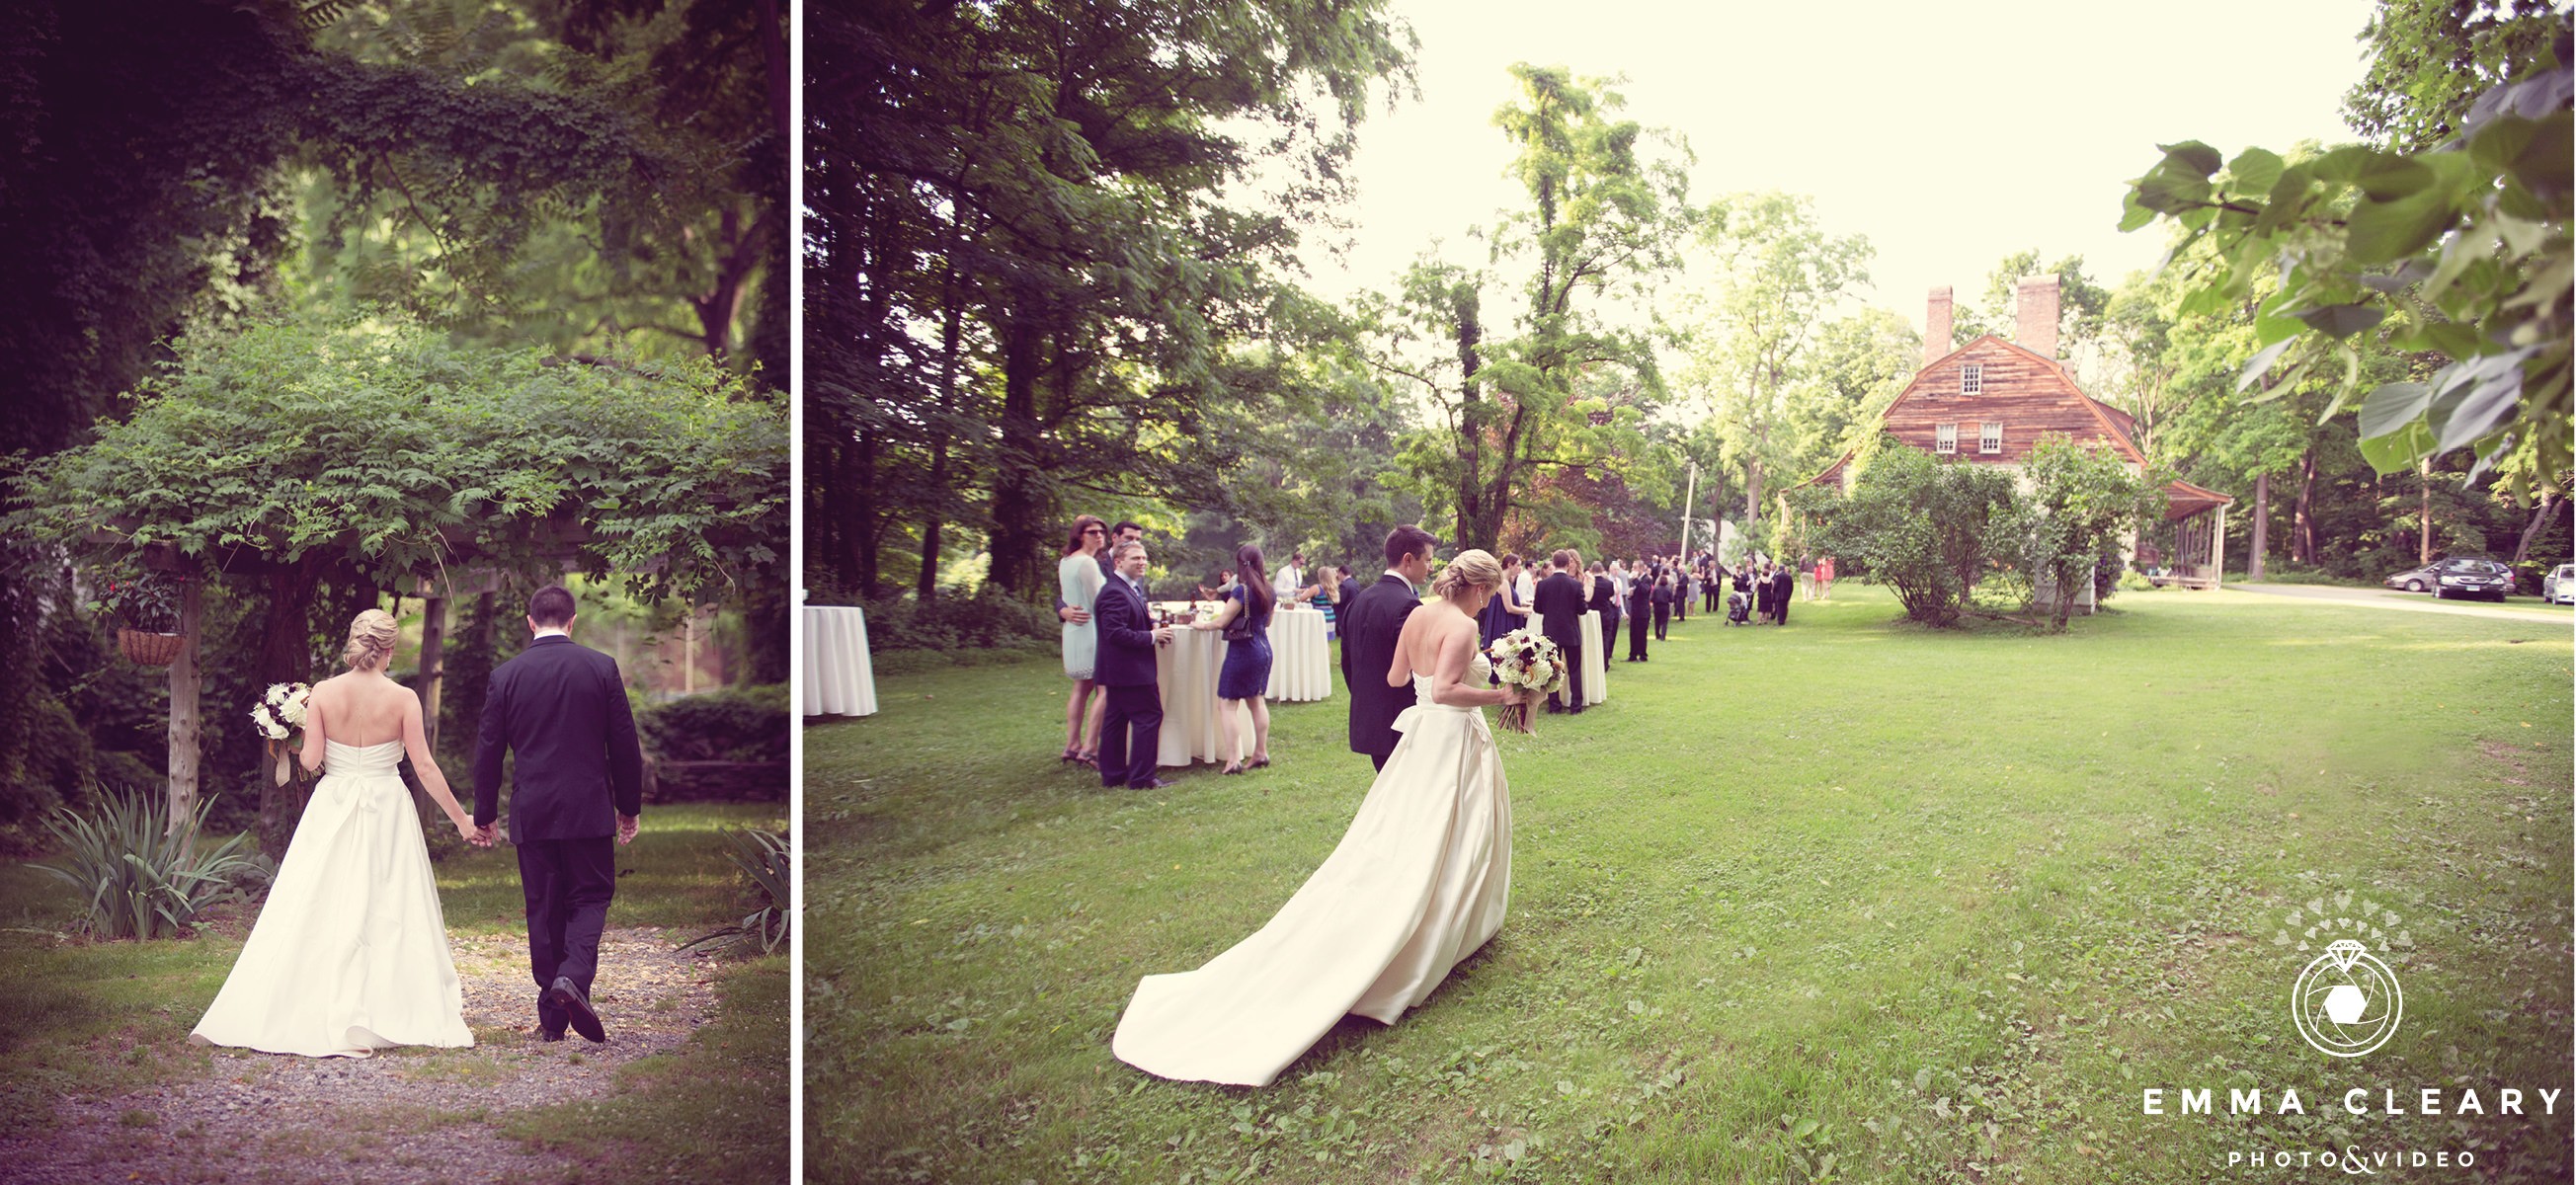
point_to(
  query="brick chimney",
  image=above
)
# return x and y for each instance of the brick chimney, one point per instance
(1936, 326)
(2036, 312)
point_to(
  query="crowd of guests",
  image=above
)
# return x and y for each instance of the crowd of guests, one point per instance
(1113, 717)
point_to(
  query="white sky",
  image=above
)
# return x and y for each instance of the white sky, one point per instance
(1950, 134)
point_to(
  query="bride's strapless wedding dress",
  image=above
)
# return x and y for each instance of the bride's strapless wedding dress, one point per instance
(350, 954)
(1419, 882)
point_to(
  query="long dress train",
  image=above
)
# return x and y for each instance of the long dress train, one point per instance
(1418, 883)
(350, 953)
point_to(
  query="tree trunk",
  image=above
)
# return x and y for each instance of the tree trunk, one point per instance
(951, 334)
(184, 707)
(1752, 497)
(2424, 512)
(1475, 527)
(2262, 526)
(1014, 540)
(2531, 530)
(285, 656)
(2303, 519)
(433, 660)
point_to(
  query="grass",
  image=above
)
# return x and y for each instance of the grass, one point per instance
(103, 1019)
(1845, 900)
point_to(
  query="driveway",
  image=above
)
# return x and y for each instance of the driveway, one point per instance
(2389, 598)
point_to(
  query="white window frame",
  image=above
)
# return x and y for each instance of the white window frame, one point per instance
(1945, 438)
(1990, 439)
(1972, 378)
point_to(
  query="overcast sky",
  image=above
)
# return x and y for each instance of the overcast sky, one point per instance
(1950, 134)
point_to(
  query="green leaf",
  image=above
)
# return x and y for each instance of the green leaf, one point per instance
(2255, 170)
(2387, 178)
(2262, 361)
(2340, 321)
(2193, 155)
(2392, 406)
(2397, 451)
(2387, 231)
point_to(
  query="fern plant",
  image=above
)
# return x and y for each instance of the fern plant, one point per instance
(136, 876)
(764, 857)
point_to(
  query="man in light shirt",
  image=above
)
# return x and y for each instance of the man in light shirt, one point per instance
(1290, 583)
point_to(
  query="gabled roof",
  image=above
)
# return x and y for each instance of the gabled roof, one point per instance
(2042, 379)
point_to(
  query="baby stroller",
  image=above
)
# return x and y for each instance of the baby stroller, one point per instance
(1739, 609)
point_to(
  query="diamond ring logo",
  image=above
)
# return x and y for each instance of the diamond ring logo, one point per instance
(2347, 1002)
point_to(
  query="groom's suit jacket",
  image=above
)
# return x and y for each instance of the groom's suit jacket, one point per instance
(1369, 628)
(1125, 628)
(562, 708)
(1559, 602)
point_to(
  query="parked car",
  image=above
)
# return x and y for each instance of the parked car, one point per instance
(2559, 587)
(2458, 576)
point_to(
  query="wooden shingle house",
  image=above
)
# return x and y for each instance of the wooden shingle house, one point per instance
(1990, 400)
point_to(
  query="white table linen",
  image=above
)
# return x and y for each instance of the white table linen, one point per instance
(839, 678)
(1596, 665)
(1301, 667)
(1186, 670)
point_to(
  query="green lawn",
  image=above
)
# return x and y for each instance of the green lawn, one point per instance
(1845, 900)
(111, 1018)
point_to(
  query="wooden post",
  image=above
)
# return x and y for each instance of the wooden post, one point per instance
(433, 651)
(184, 684)
(2218, 549)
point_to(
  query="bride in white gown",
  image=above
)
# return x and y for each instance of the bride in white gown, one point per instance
(1419, 882)
(350, 953)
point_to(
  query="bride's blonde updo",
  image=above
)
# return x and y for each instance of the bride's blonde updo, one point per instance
(1474, 568)
(371, 641)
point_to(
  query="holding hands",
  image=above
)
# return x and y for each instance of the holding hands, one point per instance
(482, 837)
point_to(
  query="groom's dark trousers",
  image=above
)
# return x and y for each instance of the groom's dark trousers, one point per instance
(561, 708)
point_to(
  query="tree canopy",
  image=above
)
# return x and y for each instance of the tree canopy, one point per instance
(382, 446)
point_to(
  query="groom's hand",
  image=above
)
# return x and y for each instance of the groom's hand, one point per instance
(487, 835)
(627, 826)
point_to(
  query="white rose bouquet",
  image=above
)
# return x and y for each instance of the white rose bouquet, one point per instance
(1526, 660)
(279, 711)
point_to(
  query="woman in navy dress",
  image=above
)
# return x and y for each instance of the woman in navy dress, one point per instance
(1245, 678)
(1504, 612)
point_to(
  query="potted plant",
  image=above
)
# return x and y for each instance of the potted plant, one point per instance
(146, 608)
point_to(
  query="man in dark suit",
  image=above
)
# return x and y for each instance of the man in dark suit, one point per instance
(1559, 603)
(579, 779)
(1131, 731)
(1783, 583)
(1605, 601)
(1372, 621)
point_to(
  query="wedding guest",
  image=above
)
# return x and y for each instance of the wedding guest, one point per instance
(1078, 581)
(1525, 586)
(1663, 602)
(1825, 578)
(1290, 583)
(1131, 736)
(1504, 611)
(1605, 601)
(1559, 603)
(1328, 598)
(1641, 600)
(1124, 531)
(1708, 580)
(1681, 590)
(1807, 577)
(1762, 592)
(1350, 590)
(1243, 683)
(1783, 582)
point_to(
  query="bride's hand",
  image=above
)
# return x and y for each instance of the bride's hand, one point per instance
(465, 828)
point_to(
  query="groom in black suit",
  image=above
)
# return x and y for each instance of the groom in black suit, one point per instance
(1371, 624)
(1559, 601)
(579, 779)
(1131, 730)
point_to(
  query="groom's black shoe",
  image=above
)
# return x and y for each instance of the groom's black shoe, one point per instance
(543, 1033)
(567, 996)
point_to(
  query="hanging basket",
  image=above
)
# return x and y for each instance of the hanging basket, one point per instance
(151, 650)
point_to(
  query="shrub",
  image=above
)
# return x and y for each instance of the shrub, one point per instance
(736, 724)
(764, 857)
(137, 880)
(1921, 527)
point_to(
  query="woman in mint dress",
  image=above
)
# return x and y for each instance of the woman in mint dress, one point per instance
(1078, 580)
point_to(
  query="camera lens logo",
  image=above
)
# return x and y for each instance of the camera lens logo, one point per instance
(2347, 1002)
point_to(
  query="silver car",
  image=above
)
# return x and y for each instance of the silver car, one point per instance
(2559, 587)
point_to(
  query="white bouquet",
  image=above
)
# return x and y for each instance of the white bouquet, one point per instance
(281, 709)
(1526, 660)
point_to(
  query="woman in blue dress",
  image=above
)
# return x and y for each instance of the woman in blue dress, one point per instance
(1505, 612)
(1245, 678)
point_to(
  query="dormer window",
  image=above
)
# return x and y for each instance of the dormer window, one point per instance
(1945, 438)
(1972, 378)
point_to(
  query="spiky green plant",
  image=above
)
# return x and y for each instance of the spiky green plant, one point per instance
(765, 858)
(138, 877)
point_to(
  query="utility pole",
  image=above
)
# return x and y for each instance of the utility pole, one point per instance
(1689, 492)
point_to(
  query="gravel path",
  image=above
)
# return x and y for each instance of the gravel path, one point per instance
(404, 1117)
(2398, 599)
